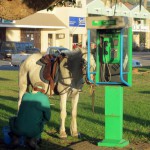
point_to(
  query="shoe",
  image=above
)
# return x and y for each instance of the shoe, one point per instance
(32, 143)
(39, 142)
(15, 141)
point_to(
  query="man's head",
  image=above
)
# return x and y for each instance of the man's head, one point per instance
(39, 86)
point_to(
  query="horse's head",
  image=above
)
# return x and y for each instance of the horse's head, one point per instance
(85, 59)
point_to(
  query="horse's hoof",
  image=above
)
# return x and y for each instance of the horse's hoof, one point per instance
(63, 135)
(74, 134)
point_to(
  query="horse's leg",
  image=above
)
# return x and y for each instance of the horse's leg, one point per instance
(63, 114)
(73, 126)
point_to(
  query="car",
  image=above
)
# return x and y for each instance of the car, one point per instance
(136, 63)
(18, 58)
(8, 48)
(56, 51)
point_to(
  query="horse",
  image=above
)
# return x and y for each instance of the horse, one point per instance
(70, 80)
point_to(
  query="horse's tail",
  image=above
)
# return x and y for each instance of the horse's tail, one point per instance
(23, 81)
(23, 75)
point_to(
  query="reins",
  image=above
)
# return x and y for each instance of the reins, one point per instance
(92, 86)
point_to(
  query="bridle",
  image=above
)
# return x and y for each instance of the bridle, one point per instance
(84, 70)
(92, 86)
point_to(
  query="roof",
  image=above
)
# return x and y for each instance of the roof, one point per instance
(38, 20)
(88, 1)
(95, 7)
(121, 10)
(128, 5)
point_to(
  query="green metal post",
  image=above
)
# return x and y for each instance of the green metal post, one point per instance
(97, 59)
(113, 117)
(130, 55)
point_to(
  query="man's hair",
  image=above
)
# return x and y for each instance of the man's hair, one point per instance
(39, 86)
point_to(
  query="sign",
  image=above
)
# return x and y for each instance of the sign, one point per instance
(77, 21)
(6, 21)
(106, 22)
(140, 28)
(103, 22)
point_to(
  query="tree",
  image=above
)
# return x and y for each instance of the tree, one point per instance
(18, 9)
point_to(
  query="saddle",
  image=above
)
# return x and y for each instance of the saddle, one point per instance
(50, 71)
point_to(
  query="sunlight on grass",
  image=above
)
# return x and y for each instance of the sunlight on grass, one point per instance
(90, 125)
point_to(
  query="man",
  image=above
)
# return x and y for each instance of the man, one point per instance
(33, 113)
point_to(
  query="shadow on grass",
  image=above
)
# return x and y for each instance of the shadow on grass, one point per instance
(139, 121)
(45, 145)
(98, 110)
(4, 79)
(8, 109)
(85, 137)
(136, 120)
(8, 98)
(16, 91)
(139, 133)
(145, 92)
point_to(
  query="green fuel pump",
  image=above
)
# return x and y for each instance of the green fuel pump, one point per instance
(113, 52)
(113, 68)
(110, 44)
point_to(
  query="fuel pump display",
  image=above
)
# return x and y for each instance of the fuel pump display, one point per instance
(108, 49)
(113, 67)
(114, 50)
(110, 46)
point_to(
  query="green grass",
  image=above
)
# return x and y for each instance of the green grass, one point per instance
(90, 125)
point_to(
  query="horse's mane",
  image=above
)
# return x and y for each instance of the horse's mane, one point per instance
(73, 64)
(73, 55)
(74, 59)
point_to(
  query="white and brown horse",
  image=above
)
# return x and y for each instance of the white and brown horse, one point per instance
(70, 80)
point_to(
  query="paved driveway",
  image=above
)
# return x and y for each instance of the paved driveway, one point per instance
(6, 65)
(143, 57)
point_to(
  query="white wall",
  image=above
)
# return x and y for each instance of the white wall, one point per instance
(13, 34)
(55, 41)
(66, 12)
(63, 14)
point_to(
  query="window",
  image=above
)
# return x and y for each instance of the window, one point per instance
(79, 4)
(75, 38)
(7, 46)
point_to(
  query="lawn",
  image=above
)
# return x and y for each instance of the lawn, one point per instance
(90, 125)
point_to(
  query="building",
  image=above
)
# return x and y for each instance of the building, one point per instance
(66, 26)
(61, 27)
(75, 21)
(138, 16)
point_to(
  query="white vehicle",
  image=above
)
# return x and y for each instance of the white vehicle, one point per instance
(136, 63)
(17, 59)
(56, 51)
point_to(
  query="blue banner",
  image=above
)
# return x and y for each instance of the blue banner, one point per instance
(77, 21)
